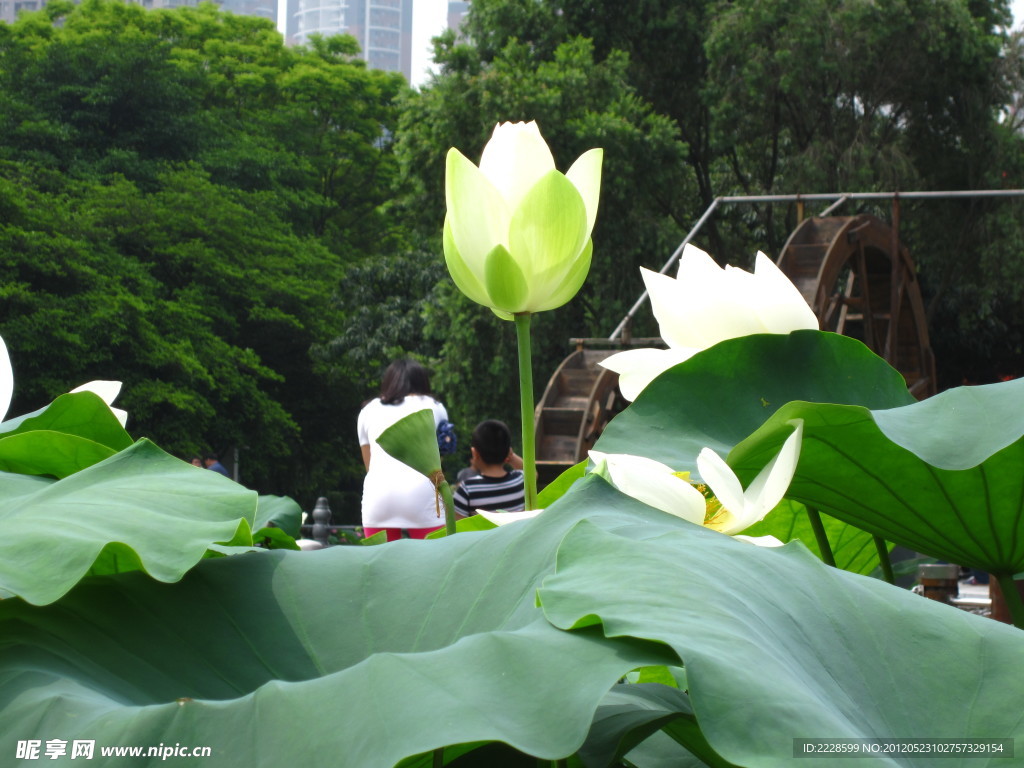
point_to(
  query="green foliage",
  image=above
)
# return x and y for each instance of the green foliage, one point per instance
(836, 637)
(181, 197)
(447, 627)
(116, 516)
(940, 476)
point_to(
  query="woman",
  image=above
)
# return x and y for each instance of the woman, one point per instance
(397, 497)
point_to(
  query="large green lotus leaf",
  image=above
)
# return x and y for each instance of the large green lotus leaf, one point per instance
(79, 413)
(721, 395)
(852, 548)
(357, 656)
(942, 476)
(57, 454)
(278, 522)
(558, 487)
(73, 432)
(140, 509)
(778, 646)
(661, 751)
(413, 441)
(631, 714)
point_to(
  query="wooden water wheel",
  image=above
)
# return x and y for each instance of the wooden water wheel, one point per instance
(860, 282)
(580, 398)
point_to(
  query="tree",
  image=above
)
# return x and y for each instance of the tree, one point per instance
(184, 194)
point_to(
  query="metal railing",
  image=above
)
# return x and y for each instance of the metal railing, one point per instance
(839, 199)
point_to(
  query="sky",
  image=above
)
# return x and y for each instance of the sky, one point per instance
(429, 19)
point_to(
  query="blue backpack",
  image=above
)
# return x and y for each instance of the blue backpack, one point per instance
(446, 442)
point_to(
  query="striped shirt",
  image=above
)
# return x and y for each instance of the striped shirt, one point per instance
(507, 494)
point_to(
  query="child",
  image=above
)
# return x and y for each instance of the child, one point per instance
(491, 487)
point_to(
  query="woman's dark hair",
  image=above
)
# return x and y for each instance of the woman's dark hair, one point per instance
(403, 377)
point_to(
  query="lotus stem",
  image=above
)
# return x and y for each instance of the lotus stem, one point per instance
(883, 559)
(522, 321)
(438, 761)
(1011, 596)
(820, 536)
(449, 508)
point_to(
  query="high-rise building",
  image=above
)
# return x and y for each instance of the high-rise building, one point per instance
(266, 9)
(457, 10)
(382, 27)
(393, 35)
(9, 9)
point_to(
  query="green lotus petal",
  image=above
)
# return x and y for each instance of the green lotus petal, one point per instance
(413, 441)
(570, 284)
(548, 230)
(502, 314)
(505, 281)
(118, 514)
(479, 214)
(465, 278)
(853, 469)
(586, 175)
(775, 643)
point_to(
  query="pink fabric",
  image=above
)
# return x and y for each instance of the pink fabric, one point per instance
(396, 533)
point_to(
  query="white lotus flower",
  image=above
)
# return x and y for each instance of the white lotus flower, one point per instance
(706, 304)
(107, 392)
(655, 484)
(517, 232)
(733, 509)
(742, 508)
(6, 380)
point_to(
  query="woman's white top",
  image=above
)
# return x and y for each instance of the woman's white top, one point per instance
(394, 495)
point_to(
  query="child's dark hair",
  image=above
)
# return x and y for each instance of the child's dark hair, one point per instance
(492, 441)
(403, 377)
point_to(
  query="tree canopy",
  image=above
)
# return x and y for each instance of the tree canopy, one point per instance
(182, 196)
